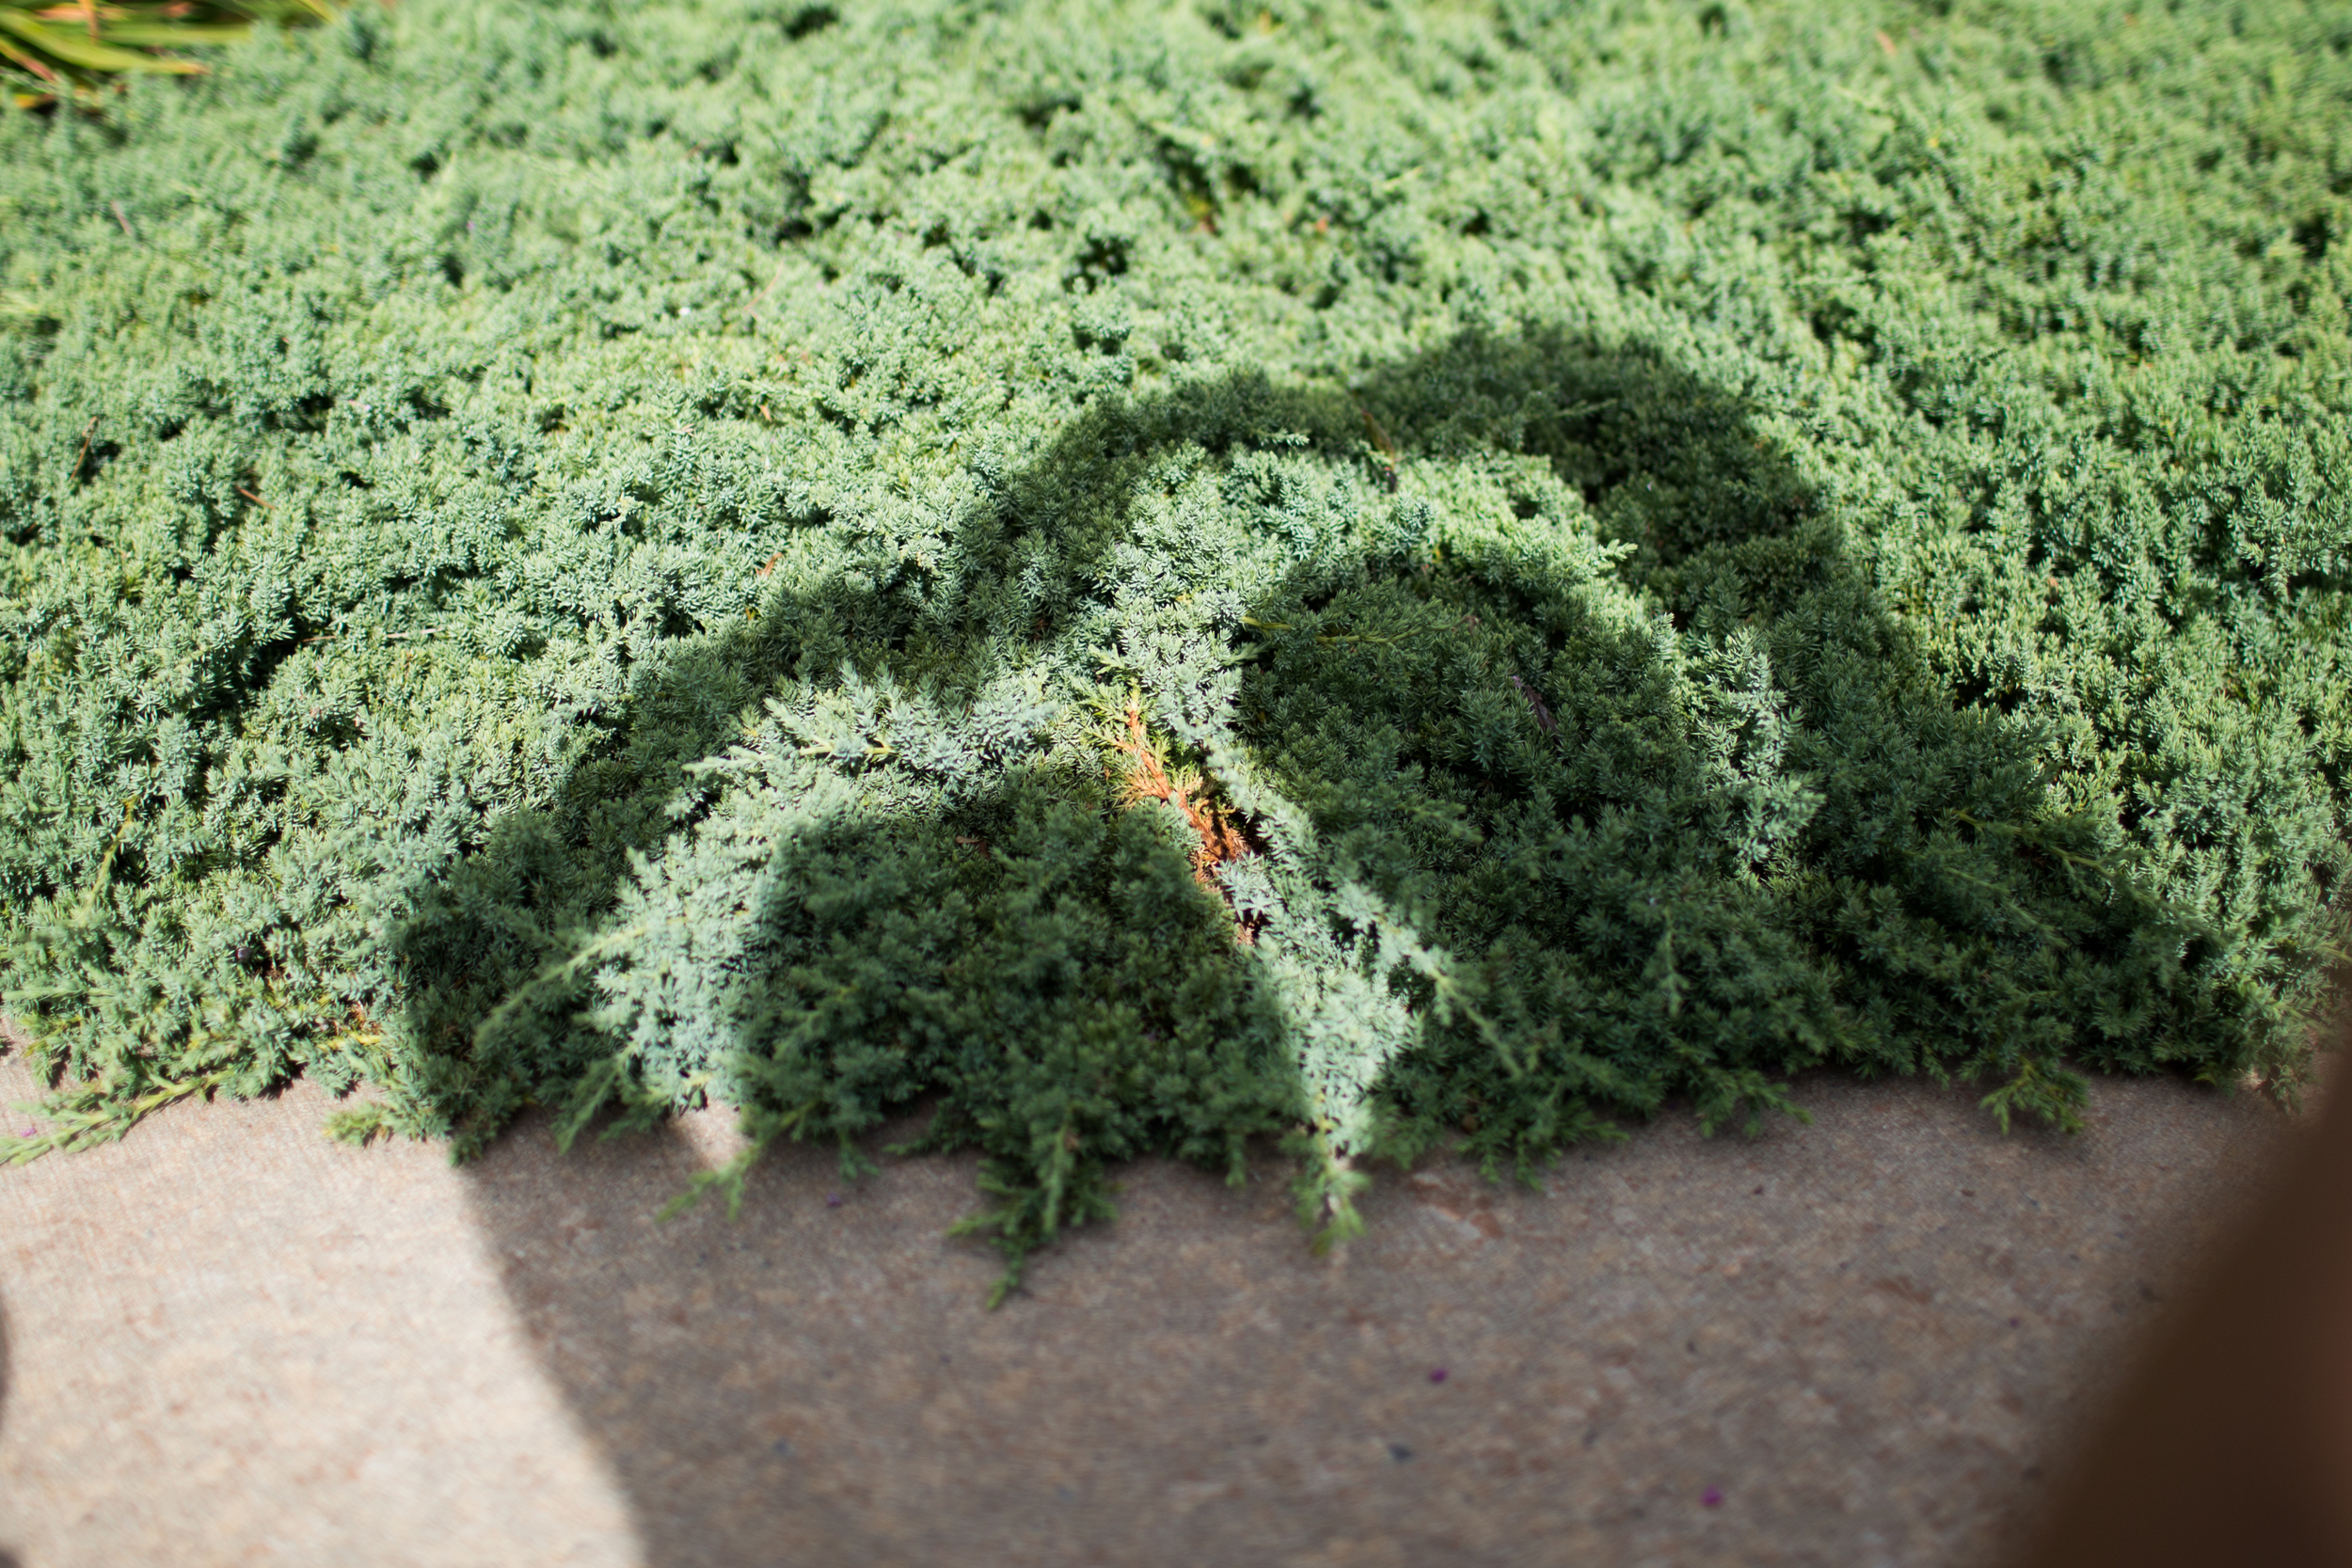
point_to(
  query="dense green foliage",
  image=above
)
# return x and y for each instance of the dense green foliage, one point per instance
(1162, 573)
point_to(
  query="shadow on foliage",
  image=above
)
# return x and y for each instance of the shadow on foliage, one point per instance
(969, 853)
(1664, 858)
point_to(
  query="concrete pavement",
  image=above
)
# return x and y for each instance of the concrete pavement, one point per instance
(228, 1340)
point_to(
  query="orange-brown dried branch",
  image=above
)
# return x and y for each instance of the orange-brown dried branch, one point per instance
(1219, 834)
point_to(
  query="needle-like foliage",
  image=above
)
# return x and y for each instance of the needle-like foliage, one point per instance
(1160, 575)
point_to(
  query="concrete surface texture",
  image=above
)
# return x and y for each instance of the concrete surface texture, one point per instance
(1859, 1342)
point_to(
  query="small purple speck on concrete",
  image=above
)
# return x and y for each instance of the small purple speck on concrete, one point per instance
(2013, 1321)
(1437, 1375)
(1712, 1496)
(832, 1200)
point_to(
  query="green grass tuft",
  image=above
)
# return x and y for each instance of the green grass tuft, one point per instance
(72, 48)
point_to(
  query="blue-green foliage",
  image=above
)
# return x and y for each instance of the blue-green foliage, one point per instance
(604, 556)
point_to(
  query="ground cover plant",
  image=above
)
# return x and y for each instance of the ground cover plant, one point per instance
(1156, 575)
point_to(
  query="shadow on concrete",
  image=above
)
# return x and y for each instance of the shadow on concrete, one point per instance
(1864, 1335)
(8, 1558)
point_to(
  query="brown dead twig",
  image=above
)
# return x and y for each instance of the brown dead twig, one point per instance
(1219, 834)
(82, 456)
(1388, 448)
